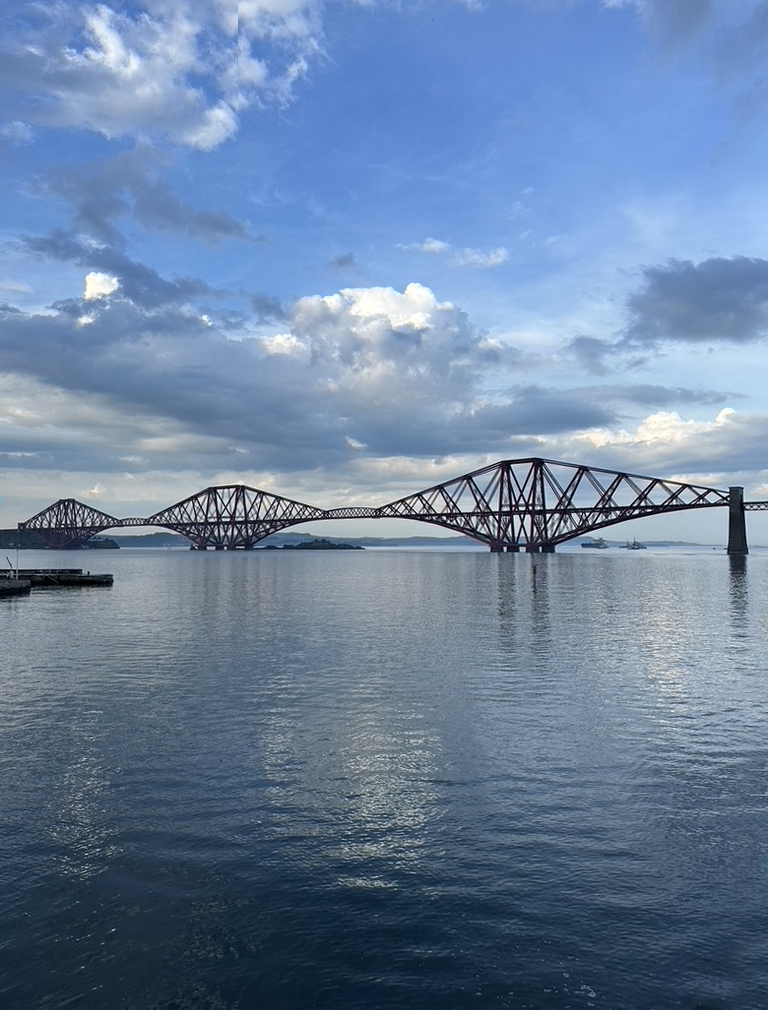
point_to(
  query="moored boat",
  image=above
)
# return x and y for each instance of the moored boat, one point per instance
(635, 545)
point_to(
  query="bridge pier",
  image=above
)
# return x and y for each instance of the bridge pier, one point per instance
(547, 548)
(513, 548)
(737, 525)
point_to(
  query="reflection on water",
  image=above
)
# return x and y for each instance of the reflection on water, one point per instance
(737, 565)
(388, 780)
(81, 837)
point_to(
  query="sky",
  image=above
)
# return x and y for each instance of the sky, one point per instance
(344, 251)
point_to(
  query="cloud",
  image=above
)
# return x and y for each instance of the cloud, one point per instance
(667, 444)
(343, 262)
(265, 308)
(431, 245)
(142, 285)
(717, 300)
(743, 48)
(730, 36)
(480, 258)
(16, 132)
(590, 353)
(99, 193)
(184, 70)
(647, 395)
(98, 285)
(669, 20)
(385, 372)
(483, 259)
(532, 411)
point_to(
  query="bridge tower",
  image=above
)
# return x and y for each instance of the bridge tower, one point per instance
(737, 526)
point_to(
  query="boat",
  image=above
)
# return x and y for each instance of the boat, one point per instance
(598, 544)
(635, 545)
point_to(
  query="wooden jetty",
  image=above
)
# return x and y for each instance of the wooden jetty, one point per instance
(54, 578)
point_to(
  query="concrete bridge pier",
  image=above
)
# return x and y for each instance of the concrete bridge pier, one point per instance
(547, 548)
(737, 524)
(513, 548)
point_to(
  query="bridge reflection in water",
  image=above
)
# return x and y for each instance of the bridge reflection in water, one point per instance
(525, 504)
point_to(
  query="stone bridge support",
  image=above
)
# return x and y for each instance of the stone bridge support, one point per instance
(737, 525)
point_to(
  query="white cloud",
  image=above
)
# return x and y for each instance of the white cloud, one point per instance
(16, 132)
(213, 127)
(481, 258)
(99, 285)
(723, 450)
(185, 69)
(663, 429)
(97, 491)
(432, 245)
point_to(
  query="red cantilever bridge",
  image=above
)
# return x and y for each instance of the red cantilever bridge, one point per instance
(522, 504)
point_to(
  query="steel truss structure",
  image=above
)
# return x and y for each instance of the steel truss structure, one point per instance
(526, 504)
(233, 516)
(69, 523)
(539, 503)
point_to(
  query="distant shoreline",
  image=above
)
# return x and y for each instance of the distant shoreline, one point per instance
(9, 540)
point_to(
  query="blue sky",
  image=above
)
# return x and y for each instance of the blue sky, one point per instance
(344, 251)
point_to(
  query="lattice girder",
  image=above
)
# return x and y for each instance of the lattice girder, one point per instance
(546, 502)
(68, 523)
(233, 516)
(527, 503)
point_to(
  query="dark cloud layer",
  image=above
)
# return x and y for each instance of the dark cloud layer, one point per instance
(675, 20)
(389, 373)
(715, 300)
(343, 262)
(130, 185)
(140, 283)
(590, 353)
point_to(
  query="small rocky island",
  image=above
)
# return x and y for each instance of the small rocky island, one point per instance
(313, 545)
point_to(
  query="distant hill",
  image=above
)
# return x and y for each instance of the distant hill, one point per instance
(13, 538)
(294, 539)
(151, 540)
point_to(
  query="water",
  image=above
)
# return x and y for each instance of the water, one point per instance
(387, 780)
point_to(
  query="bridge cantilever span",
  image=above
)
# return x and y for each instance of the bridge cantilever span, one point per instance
(535, 504)
(530, 504)
(233, 516)
(68, 523)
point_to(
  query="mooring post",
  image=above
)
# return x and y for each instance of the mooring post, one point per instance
(737, 525)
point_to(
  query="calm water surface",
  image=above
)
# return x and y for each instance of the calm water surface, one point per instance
(387, 780)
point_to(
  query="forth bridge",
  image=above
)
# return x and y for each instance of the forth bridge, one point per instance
(515, 505)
